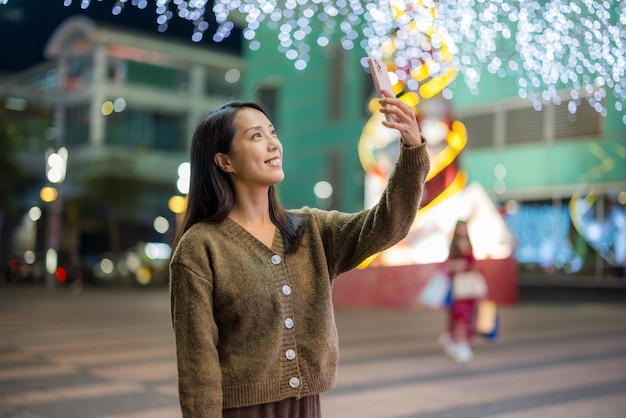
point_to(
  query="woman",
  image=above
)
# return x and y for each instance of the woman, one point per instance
(251, 283)
(457, 339)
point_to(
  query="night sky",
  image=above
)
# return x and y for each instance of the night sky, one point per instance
(26, 26)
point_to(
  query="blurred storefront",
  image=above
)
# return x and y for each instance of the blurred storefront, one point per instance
(559, 179)
(121, 105)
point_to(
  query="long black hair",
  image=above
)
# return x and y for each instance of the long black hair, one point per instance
(211, 196)
(455, 249)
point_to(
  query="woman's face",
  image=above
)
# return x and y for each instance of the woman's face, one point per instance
(462, 230)
(256, 153)
(463, 241)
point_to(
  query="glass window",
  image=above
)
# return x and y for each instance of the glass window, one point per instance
(77, 127)
(223, 83)
(268, 96)
(79, 73)
(146, 130)
(480, 130)
(336, 88)
(542, 231)
(46, 80)
(524, 125)
(582, 236)
(152, 75)
(584, 123)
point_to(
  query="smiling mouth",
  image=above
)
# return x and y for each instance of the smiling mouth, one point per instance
(273, 161)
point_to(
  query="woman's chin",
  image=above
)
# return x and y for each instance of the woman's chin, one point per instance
(281, 178)
(277, 179)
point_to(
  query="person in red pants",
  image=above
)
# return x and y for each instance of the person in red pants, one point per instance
(456, 341)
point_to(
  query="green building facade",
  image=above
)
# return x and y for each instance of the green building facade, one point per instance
(539, 167)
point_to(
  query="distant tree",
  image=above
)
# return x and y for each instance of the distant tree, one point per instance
(112, 188)
(12, 179)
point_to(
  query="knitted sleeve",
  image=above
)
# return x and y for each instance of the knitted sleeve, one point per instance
(350, 238)
(196, 333)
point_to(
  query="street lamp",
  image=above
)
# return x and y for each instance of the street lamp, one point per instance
(184, 175)
(56, 167)
(178, 204)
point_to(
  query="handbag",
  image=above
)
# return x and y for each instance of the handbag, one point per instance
(487, 320)
(469, 285)
(435, 294)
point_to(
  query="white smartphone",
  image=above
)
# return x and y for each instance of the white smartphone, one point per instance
(380, 75)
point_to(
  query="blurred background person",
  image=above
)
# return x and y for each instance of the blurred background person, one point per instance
(460, 325)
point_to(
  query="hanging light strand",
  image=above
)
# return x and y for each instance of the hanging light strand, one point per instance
(545, 45)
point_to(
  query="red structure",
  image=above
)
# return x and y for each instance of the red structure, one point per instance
(399, 287)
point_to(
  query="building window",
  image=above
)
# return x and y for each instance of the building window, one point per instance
(146, 130)
(480, 130)
(571, 237)
(268, 96)
(336, 91)
(77, 125)
(524, 125)
(154, 76)
(223, 83)
(46, 80)
(79, 73)
(585, 122)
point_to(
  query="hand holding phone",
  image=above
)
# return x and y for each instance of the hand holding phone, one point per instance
(380, 75)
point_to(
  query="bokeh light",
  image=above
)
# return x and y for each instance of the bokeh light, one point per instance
(232, 76)
(184, 177)
(61, 274)
(157, 251)
(34, 213)
(143, 275)
(546, 45)
(119, 105)
(107, 108)
(323, 190)
(161, 225)
(106, 265)
(177, 204)
(48, 194)
(29, 257)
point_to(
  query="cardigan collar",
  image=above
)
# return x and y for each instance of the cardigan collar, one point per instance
(241, 233)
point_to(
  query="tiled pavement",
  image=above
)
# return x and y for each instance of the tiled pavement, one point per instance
(109, 354)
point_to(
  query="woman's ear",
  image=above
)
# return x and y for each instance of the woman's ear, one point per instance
(223, 162)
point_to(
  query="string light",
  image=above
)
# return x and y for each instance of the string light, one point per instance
(545, 45)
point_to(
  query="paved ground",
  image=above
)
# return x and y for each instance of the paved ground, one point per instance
(109, 354)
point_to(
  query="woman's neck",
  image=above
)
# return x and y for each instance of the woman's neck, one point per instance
(251, 209)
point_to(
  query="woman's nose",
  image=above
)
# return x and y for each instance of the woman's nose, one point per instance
(272, 142)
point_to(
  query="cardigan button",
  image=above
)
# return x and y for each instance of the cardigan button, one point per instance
(276, 259)
(294, 382)
(290, 354)
(286, 290)
(288, 323)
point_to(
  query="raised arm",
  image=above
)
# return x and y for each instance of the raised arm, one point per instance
(405, 121)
